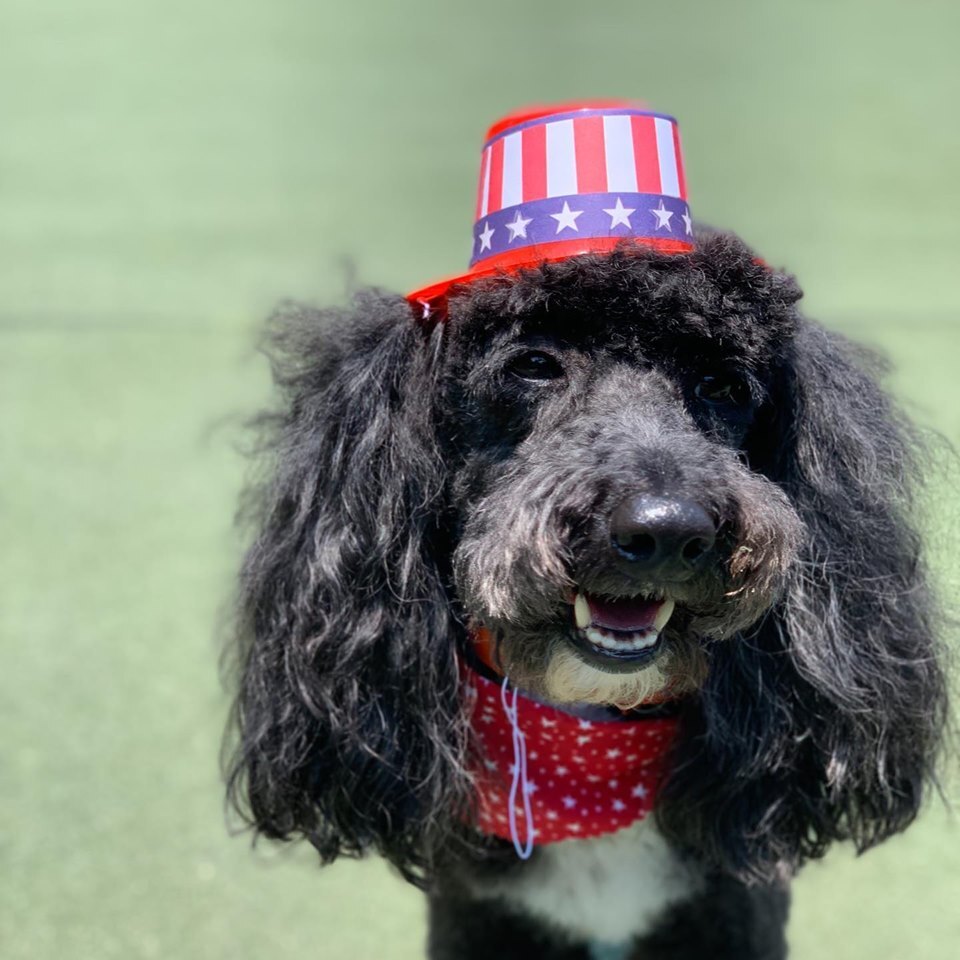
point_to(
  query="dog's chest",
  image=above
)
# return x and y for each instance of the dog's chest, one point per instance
(606, 889)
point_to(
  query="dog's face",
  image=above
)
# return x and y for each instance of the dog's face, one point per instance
(611, 508)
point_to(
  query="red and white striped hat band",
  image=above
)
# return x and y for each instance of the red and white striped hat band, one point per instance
(606, 173)
(556, 182)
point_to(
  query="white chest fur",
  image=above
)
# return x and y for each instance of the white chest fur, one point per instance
(607, 889)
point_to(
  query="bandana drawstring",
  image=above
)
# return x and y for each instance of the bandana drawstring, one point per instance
(524, 850)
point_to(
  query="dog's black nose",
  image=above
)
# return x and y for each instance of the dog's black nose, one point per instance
(661, 536)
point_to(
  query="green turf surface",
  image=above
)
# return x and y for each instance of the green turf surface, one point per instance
(169, 170)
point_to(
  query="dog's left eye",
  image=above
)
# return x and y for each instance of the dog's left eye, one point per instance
(535, 365)
(723, 390)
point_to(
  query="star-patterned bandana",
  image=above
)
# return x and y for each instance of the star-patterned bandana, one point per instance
(579, 778)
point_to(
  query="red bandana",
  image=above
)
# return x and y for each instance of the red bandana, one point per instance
(565, 777)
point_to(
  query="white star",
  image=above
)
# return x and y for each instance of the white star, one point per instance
(490, 764)
(529, 788)
(663, 216)
(619, 805)
(486, 718)
(575, 827)
(613, 754)
(552, 814)
(569, 802)
(639, 791)
(620, 214)
(582, 740)
(519, 227)
(562, 771)
(547, 722)
(613, 784)
(584, 724)
(687, 221)
(566, 218)
(485, 237)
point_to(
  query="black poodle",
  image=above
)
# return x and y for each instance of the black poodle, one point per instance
(663, 495)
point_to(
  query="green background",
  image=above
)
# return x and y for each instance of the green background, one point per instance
(169, 170)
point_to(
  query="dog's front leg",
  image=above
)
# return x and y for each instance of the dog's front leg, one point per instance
(464, 928)
(727, 921)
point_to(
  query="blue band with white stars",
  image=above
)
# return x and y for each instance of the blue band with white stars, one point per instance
(628, 215)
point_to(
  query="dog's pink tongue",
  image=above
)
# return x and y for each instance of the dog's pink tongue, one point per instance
(629, 616)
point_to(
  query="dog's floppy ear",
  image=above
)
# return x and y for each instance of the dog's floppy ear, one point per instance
(824, 723)
(860, 620)
(346, 726)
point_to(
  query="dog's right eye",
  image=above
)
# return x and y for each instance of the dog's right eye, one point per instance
(725, 390)
(535, 365)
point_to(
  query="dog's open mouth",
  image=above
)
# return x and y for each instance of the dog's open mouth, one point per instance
(626, 629)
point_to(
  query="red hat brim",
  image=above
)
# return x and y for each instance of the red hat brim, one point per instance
(430, 300)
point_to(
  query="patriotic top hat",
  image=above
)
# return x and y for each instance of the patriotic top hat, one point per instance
(569, 179)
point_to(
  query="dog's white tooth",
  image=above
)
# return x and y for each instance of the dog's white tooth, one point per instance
(581, 611)
(664, 614)
(595, 636)
(630, 641)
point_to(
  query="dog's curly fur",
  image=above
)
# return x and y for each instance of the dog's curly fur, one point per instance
(419, 485)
